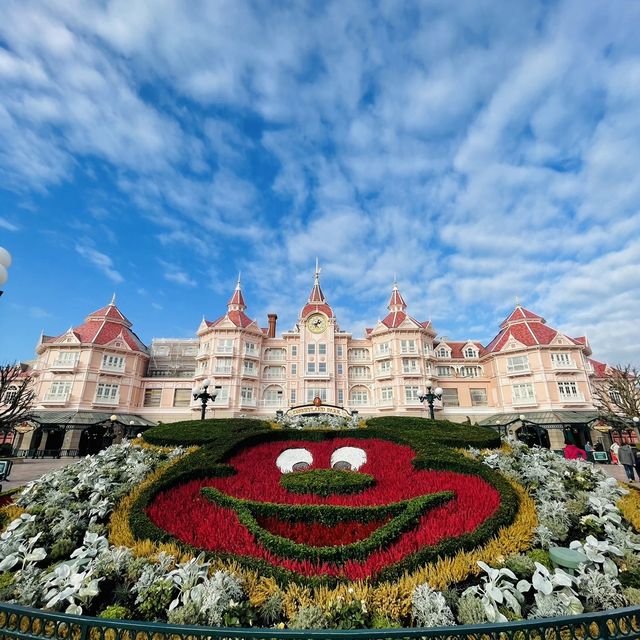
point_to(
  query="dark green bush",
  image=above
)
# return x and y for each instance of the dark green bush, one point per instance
(326, 482)
(202, 431)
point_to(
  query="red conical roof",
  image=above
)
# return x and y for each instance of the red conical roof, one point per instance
(236, 303)
(316, 301)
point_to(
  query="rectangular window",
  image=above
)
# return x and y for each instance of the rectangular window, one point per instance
(339, 368)
(561, 360)
(293, 396)
(522, 392)
(359, 397)
(222, 395)
(294, 351)
(410, 365)
(224, 345)
(407, 346)
(250, 368)
(115, 363)
(182, 398)
(386, 394)
(246, 393)
(478, 397)
(384, 367)
(322, 367)
(294, 369)
(411, 395)
(517, 364)
(340, 396)
(68, 358)
(383, 349)
(358, 354)
(359, 373)
(251, 348)
(450, 398)
(339, 351)
(568, 388)
(107, 393)
(322, 349)
(444, 372)
(223, 365)
(152, 397)
(59, 390)
(311, 367)
(316, 393)
(311, 349)
(470, 372)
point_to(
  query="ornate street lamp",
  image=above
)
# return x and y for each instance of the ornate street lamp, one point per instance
(535, 426)
(201, 393)
(5, 263)
(430, 396)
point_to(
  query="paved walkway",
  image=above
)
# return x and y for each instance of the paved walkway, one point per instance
(26, 469)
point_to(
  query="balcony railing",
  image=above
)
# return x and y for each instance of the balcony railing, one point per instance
(572, 397)
(250, 372)
(359, 357)
(274, 376)
(518, 368)
(359, 403)
(109, 401)
(222, 371)
(248, 402)
(275, 402)
(56, 398)
(109, 368)
(251, 353)
(524, 401)
(275, 356)
(568, 364)
(66, 365)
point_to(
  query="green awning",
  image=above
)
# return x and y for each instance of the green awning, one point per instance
(548, 419)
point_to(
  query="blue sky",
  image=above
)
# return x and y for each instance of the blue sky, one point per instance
(478, 150)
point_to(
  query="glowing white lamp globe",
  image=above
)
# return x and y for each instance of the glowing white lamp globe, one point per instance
(4, 274)
(5, 258)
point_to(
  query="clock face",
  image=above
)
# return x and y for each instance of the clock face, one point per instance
(317, 323)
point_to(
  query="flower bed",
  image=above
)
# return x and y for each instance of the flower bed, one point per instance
(56, 554)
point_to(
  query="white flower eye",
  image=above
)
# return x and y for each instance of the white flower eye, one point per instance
(348, 458)
(294, 460)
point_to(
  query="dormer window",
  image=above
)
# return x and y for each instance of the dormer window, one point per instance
(470, 352)
(442, 352)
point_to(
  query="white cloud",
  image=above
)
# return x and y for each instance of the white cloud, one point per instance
(100, 260)
(173, 273)
(9, 226)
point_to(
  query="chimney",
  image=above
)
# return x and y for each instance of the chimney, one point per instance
(272, 325)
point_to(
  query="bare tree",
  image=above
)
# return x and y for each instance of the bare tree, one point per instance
(618, 395)
(16, 395)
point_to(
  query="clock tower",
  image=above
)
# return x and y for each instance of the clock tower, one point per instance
(317, 346)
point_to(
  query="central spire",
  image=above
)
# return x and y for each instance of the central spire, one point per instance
(317, 296)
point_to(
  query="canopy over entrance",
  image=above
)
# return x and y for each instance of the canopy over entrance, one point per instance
(546, 419)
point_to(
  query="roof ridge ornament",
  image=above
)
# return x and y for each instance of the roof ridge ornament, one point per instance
(113, 299)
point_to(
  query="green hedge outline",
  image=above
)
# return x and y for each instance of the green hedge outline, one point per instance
(429, 439)
(284, 547)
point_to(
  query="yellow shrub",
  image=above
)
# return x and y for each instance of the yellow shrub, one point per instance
(11, 512)
(629, 505)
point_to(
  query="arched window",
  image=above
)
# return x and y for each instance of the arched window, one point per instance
(10, 394)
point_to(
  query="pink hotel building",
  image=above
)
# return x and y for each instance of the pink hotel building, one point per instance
(101, 368)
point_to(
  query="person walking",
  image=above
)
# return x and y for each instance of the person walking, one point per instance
(614, 448)
(628, 460)
(636, 452)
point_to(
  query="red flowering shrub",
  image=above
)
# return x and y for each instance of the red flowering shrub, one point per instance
(187, 515)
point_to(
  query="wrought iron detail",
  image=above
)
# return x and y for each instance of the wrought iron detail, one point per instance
(22, 623)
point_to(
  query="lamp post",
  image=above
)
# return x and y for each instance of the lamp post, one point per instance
(5, 263)
(430, 396)
(201, 393)
(524, 421)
